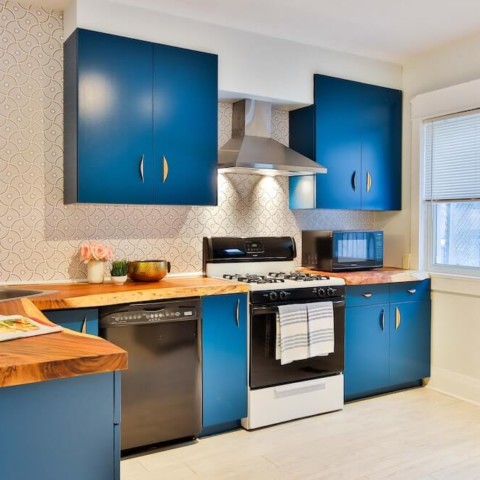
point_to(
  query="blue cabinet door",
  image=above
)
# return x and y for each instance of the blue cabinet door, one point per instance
(409, 341)
(185, 126)
(357, 136)
(59, 429)
(83, 320)
(381, 130)
(366, 349)
(108, 118)
(338, 143)
(224, 330)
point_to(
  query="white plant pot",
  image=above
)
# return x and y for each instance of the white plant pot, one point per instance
(119, 280)
(95, 271)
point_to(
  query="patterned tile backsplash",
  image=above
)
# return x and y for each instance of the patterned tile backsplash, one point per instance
(40, 236)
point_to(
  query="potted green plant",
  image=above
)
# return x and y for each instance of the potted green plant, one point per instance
(118, 271)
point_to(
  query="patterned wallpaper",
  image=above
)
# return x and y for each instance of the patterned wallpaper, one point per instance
(40, 236)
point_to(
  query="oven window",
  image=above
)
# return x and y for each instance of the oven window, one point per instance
(266, 371)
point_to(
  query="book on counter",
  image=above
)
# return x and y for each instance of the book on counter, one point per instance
(18, 326)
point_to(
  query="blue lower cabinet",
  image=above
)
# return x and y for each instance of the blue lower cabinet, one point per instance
(83, 320)
(59, 429)
(387, 338)
(409, 341)
(366, 349)
(224, 337)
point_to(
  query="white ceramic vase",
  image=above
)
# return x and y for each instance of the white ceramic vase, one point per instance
(95, 271)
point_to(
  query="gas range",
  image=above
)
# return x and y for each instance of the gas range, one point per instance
(292, 286)
(267, 265)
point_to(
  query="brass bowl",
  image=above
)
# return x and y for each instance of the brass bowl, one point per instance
(148, 270)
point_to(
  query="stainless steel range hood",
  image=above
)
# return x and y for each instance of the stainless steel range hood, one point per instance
(252, 150)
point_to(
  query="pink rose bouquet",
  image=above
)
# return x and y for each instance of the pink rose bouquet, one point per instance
(95, 251)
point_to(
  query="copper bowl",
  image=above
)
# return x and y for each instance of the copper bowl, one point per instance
(148, 270)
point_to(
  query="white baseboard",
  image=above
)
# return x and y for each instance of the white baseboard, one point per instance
(455, 384)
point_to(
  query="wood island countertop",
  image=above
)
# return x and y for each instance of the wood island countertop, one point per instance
(67, 353)
(53, 355)
(377, 275)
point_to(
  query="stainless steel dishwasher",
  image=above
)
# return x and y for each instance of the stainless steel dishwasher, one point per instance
(161, 390)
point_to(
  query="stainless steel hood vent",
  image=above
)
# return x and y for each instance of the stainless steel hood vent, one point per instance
(252, 150)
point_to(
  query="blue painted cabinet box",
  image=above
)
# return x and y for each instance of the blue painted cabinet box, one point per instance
(61, 429)
(140, 122)
(355, 130)
(84, 320)
(224, 337)
(387, 337)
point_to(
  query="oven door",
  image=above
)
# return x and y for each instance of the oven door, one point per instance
(266, 371)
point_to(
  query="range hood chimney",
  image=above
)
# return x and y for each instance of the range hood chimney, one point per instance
(252, 150)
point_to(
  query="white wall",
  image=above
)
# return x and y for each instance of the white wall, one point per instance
(249, 64)
(455, 300)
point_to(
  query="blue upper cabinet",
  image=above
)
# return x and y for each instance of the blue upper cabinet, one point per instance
(357, 136)
(185, 126)
(140, 122)
(108, 119)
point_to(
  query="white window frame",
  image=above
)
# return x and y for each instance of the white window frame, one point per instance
(427, 106)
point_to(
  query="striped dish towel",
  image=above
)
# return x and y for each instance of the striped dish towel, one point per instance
(292, 333)
(320, 328)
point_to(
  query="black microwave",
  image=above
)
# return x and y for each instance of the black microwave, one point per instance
(336, 251)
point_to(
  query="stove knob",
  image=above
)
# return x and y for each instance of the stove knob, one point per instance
(321, 292)
(273, 295)
(331, 291)
(283, 295)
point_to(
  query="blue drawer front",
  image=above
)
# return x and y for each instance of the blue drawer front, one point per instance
(362, 295)
(410, 291)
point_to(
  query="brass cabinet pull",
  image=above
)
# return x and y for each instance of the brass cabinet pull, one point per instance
(84, 325)
(165, 169)
(367, 295)
(383, 319)
(412, 291)
(369, 182)
(237, 314)
(353, 180)
(140, 167)
(398, 318)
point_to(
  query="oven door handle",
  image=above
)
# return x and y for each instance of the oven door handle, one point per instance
(274, 309)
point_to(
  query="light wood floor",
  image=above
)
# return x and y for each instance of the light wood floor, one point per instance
(415, 434)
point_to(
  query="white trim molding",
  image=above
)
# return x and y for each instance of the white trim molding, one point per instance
(455, 384)
(445, 101)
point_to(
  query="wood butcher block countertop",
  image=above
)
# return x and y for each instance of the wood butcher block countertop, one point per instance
(377, 275)
(68, 354)
(54, 355)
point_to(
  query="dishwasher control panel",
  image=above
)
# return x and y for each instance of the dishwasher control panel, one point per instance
(150, 312)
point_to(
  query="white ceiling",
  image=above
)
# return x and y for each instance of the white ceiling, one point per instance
(391, 30)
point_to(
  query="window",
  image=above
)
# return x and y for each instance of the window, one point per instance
(451, 193)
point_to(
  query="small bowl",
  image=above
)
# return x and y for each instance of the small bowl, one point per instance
(148, 270)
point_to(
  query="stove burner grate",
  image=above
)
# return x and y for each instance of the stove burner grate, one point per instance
(275, 277)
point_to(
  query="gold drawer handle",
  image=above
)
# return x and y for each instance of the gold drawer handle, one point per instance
(398, 318)
(165, 169)
(369, 182)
